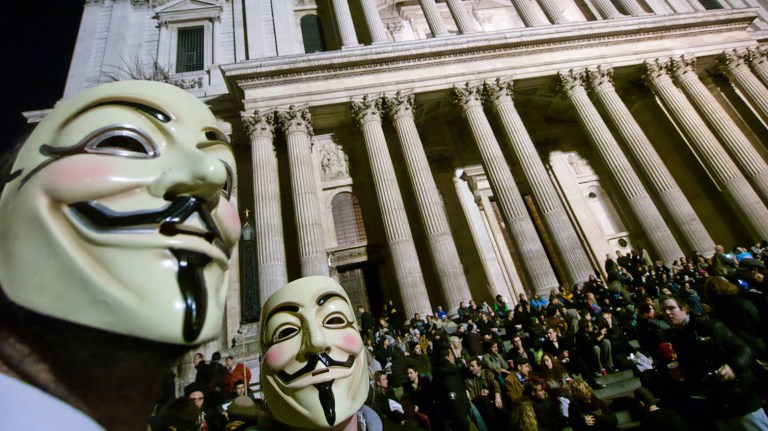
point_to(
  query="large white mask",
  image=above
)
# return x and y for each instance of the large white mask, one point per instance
(313, 368)
(116, 214)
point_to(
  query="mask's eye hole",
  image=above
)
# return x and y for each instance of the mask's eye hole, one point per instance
(226, 189)
(284, 332)
(336, 321)
(123, 142)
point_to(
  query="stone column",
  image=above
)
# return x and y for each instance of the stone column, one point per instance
(552, 211)
(461, 17)
(742, 151)
(397, 230)
(720, 166)
(758, 60)
(374, 22)
(267, 217)
(433, 217)
(659, 177)
(552, 9)
(737, 68)
(528, 13)
(632, 7)
(297, 126)
(344, 23)
(651, 221)
(519, 224)
(607, 10)
(434, 20)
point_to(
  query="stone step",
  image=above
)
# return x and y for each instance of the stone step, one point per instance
(616, 377)
(618, 389)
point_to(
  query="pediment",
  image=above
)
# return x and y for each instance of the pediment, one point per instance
(187, 5)
(186, 10)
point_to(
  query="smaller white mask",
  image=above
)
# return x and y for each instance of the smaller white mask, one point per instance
(313, 367)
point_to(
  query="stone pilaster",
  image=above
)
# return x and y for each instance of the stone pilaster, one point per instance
(552, 9)
(297, 127)
(433, 217)
(267, 217)
(434, 20)
(397, 230)
(741, 150)
(461, 17)
(665, 186)
(722, 169)
(758, 61)
(606, 9)
(736, 66)
(344, 23)
(528, 13)
(552, 211)
(519, 224)
(648, 216)
(374, 22)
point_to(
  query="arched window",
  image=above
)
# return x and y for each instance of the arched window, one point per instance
(348, 219)
(312, 34)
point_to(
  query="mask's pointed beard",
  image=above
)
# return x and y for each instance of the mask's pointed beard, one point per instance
(193, 291)
(328, 401)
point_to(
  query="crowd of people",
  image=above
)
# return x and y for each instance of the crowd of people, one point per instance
(220, 399)
(700, 325)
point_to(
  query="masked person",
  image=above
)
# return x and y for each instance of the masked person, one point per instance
(314, 371)
(117, 231)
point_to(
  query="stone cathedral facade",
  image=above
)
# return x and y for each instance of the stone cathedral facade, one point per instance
(428, 152)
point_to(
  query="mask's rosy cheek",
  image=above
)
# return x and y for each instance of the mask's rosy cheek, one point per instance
(351, 342)
(276, 358)
(65, 177)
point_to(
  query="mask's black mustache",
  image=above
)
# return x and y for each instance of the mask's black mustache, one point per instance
(193, 291)
(312, 363)
(178, 211)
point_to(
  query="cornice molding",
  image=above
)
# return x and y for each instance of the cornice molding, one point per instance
(474, 47)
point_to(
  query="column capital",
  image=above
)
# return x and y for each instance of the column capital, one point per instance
(367, 110)
(259, 125)
(758, 56)
(735, 61)
(600, 77)
(684, 68)
(655, 69)
(571, 81)
(499, 92)
(400, 105)
(295, 120)
(468, 96)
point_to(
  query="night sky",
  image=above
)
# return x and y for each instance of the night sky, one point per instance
(40, 37)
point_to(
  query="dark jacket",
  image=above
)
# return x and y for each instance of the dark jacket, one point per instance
(705, 345)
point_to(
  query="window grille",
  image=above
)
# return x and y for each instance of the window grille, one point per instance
(189, 49)
(348, 219)
(312, 34)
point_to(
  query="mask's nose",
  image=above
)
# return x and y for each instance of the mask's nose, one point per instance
(191, 172)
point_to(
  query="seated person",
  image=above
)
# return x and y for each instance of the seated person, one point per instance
(485, 393)
(587, 412)
(549, 416)
(493, 361)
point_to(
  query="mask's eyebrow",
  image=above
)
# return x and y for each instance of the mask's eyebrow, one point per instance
(325, 298)
(283, 308)
(153, 112)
